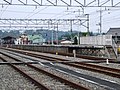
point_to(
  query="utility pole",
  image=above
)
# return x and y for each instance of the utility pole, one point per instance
(79, 34)
(57, 34)
(88, 24)
(52, 37)
(78, 38)
(71, 28)
(48, 28)
(100, 21)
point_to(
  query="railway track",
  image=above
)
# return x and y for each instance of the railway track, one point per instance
(39, 85)
(33, 74)
(105, 83)
(12, 80)
(96, 68)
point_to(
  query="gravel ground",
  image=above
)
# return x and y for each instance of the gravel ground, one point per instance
(12, 80)
(94, 74)
(54, 55)
(22, 58)
(63, 57)
(80, 81)
(8, 59)
(46, 80)
(111, 65)
(89, 85)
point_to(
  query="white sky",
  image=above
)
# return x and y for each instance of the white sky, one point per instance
(110, 18)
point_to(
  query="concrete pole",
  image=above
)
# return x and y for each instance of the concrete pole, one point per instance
(57, 35)
(78, 38)
(100, 21)
(74, 53)
(88, 24)
(52, 38)
(107, 61)
(71, 28)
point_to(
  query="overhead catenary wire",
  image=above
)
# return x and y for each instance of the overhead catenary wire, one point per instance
(3, 11)
(112, 18)
(63, 14)
(29, 16)
(105, 18)
(26, 12)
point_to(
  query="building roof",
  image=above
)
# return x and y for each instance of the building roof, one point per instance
(36, 38)
(63, 42)
(8, 37)
(33, 37)
(114, 31)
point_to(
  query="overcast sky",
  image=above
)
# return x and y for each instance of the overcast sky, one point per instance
(110, 16)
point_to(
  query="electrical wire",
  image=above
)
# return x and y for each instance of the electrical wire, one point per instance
(17, 11)
(3, 11)
(26, 12)
(28, 16)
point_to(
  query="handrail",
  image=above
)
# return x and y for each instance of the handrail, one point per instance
(114, 46)
(106, 51)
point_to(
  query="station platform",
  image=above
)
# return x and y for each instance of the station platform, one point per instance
(80, 50)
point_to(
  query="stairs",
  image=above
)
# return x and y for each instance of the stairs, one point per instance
(111, 52)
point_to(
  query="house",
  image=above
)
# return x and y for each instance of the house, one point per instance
(66, 42)
(23, 39)
(30, 39)
(8, 40)
(115, 32)
(36, 39)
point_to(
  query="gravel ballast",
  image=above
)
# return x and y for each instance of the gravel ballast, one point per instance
(80, 81)
(12, 80)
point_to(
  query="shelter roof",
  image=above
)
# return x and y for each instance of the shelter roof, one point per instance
(8, 37)
(66, 41)
(114, 31)
(34, 37)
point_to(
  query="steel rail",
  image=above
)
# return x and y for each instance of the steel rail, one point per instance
(110, 73)
(100, 69)
(72, 84)
(71, 54)
(39, 85)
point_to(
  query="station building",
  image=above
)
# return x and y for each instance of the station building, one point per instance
(8, 40)
(30, 39)
(115, 32)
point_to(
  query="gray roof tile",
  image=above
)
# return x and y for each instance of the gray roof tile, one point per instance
(114, 31)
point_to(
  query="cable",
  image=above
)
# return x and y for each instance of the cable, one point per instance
(26, 12)
(17, 11)
(28, 16)
(57, 14)
(3, 11)
(62, 14)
